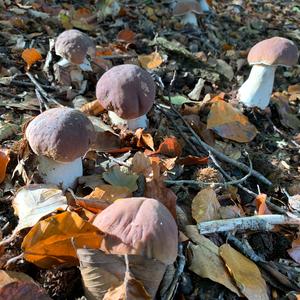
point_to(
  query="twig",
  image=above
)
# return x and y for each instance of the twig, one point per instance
(29, 84)
(41, 90)
(261, 223)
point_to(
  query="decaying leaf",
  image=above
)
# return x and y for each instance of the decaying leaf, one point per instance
(144, 139)
(205, 206)
(245, 273)
(49, 242)
(230, 123)
(12, 276)
(35, 201)
(31, 56)
(150, 61)
(4, 160)
(118, 178)
(179, 100)
(192, 160)
(141, 164)
(205, 260)
(294, 252)
(169, 147)
(126, 35)
(93, 108)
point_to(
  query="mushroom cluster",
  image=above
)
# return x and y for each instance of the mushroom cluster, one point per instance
(265, 56)
(60, 137)
(128, 93)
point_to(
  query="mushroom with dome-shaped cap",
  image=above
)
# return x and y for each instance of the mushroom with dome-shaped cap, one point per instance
(187, 9)
(265, 56)
(140, 226)
(74, 46)
(60, 137)
(128, 93)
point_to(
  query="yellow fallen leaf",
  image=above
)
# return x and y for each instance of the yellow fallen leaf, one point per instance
(150, 61)
(31, 56)
(48, 243)
(230, 123)
(245, 273)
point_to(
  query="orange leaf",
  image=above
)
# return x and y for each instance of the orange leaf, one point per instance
(230, 123)
(261, 206)
(31, 56)
(119, 150)
(48, 243)
(102, 196)
(144, 139)
(126, 35)
(169, 147)
(4, 160)
(192, 160)
(150, 61)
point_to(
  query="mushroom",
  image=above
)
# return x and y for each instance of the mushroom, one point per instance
(141, 226)
(127, 92)
(204, 6)
(60, 137)
(187, 9)
(265, 56)
(74, 46)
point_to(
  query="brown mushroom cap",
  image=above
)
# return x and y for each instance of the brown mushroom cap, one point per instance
(185, 6)
(62, 134)
(274, 51)
(74, 46)
(127, 90)
(141, 226)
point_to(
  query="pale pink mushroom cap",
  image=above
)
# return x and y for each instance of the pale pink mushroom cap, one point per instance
(276, 51)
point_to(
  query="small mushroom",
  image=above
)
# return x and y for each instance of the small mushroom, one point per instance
(60, 137)
(265, 56)
(74, 46)
(127, 92)
(187, 10)
(140, 226)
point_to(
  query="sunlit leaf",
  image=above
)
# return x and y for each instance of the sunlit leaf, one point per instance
(31, 56)
(150, 61)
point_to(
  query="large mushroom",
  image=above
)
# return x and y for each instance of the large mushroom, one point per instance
(127, 92)
(187, 10)
(265, 56)
(74, 46)
(60, 137)
(139, 226)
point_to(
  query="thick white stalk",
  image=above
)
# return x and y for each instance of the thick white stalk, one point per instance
(256, 91)
(189, 18)
(204, 6)
(61, 174)
(133, 124)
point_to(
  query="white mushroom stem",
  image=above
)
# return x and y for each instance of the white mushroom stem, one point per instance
(204, 6)
(133, 124)
(257, 89)
(189, 18)
(60, 173)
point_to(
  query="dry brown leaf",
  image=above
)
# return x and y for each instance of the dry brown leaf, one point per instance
(245, 273)
(169, 147)
(49, 243)
(23, 290)
(11, 276)
(131, 288)
(4, 160)
(141, 164)
(150, 61)
(230, 123)
(93, 108)
(31, 56)
(261, 206)
(205, 206)
(294, 252)
(192, 160)
(126, 35)
(144, 139)
(205, 259)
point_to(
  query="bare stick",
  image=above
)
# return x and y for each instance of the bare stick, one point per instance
(261, 223)
(41, 90)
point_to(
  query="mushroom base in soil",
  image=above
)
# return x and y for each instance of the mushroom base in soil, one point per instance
(189, 18)
(256, 91)
(62, 174)
(132, 124)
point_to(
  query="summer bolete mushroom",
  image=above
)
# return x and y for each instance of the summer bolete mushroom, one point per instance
(60, 137)
(141, 226)
(74, 46)
(127, 92)
(265, 56)
(187, 10)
